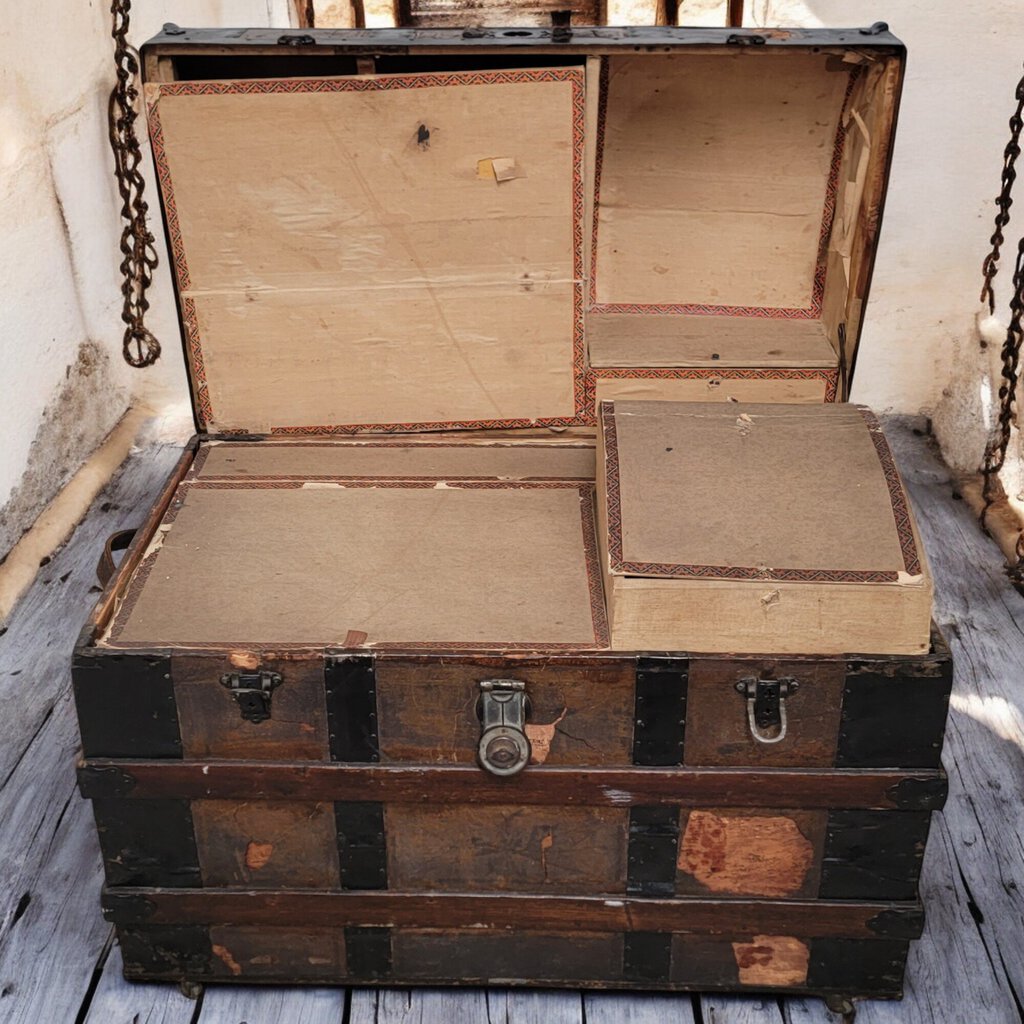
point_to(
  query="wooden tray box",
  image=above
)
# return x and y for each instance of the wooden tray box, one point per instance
(409, 266)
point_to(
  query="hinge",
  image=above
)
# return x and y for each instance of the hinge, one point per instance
(740, 39)
(252, 691)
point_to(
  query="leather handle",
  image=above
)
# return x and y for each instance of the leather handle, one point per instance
(106, 566)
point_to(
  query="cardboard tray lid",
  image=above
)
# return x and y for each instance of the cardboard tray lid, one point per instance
(774, 528)
(466, 235)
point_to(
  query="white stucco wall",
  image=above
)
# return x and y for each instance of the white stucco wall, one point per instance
(58, 213)
(59, 229)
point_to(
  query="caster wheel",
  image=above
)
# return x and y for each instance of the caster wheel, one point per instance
(190, 989)
(842, 1006)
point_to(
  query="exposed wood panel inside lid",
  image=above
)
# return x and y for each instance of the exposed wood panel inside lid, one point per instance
(713, 179)
(631, 339)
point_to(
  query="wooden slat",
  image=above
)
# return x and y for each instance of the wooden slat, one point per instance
(321, 908)
(41, 630)
(231, 1005)
(117, 1000)
(51, 934)
(747, 1009)
(611, 1008)
(421, 1006)
(595, 787)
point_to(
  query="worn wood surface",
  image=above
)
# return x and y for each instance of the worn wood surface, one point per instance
(56, 963)
(593, 787)
(716, 715)
(580, 714)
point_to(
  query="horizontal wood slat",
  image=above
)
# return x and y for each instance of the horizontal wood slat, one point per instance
(322, 908)
(593, 787)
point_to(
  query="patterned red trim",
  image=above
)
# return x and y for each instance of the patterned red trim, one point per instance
(897, 496)
(583, 415)
(829, 376)
(812, 312)
(588, 523)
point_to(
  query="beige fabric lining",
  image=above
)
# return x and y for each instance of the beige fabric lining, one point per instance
(435, 565)
(339, 264)
(797, 487)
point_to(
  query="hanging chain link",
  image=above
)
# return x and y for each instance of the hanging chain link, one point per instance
(995, 450)
(990, 266)
(138, 251)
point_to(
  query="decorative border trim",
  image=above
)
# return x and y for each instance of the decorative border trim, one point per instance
(897, 495)
(588, 523)
(897, 498)
(829, 376)
(705, 309)
(583, 413)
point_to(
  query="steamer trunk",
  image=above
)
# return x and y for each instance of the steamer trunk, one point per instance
(352, 709)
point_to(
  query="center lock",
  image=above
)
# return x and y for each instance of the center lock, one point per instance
(503, 707)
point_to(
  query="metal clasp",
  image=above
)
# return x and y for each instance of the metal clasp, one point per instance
(252, 691)
(504, 748)
(766, 706)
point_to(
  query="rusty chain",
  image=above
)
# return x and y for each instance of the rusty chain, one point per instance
(990, 266)
(139, 259)
(995, 450)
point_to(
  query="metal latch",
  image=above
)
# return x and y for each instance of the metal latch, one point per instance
(766, 706)
(252, 690)
(504, 747)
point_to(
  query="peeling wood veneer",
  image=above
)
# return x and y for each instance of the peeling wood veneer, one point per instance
(506, 849)
(267, 845)
(751, 854)
(541, 736)
(580, 714)
(772, 960)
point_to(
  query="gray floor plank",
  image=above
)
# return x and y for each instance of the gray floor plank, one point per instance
(420, 1006)
(117, 1001)
(51, 931)
(808, 1011)
(35, 651)
(723, 1009)
(637, 1008)
(53, 934)
(242, 1004)
(519, 1006)
(983, 619)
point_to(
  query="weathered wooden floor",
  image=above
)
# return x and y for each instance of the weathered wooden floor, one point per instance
(59, 965)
